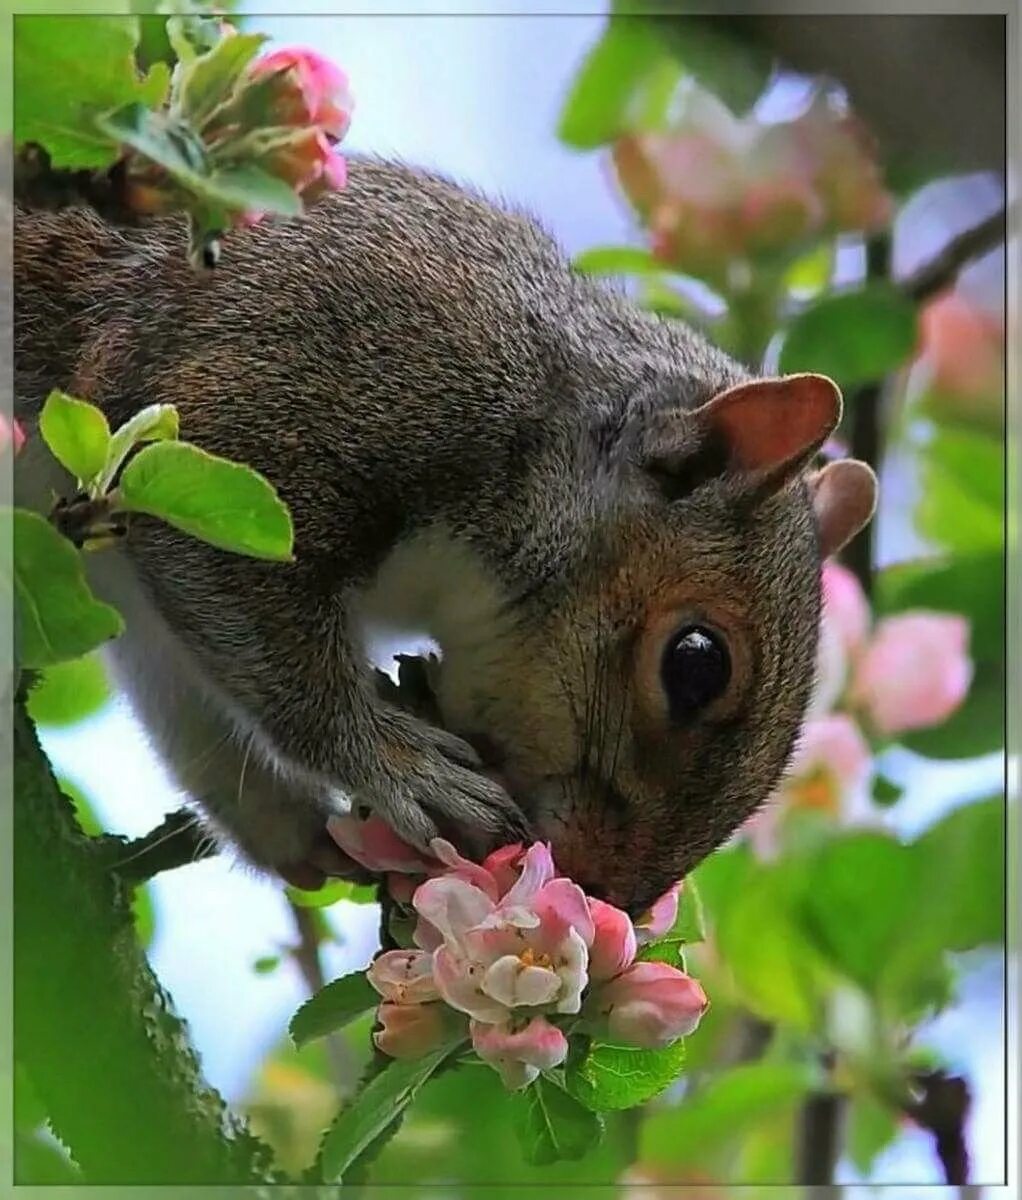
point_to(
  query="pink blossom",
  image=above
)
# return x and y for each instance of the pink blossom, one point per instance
(410, 1030)
(403, 976)
(614, 943)
(519, 1054)
(651, 1005)
(915, 672)
(656, 921)
(828, 774)
(524, 950)
(310, 90)
(845, 607)
(374, 845)
(11, 433)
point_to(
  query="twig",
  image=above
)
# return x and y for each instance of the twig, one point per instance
(942, 1108)
(820, 1141)
(941, 271)
(306, 955)
(176, 842)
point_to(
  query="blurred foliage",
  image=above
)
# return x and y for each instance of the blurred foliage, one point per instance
(69, 692)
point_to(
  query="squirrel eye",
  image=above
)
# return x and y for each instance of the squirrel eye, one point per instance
(695, 670)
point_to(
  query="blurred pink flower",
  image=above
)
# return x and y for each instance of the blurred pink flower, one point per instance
(309, 90)
(716, 187)
(519, 1054)
(963, 346)
(11, 434)
(828, 774)
(651, 1005)
(915, 671)
(410, 1030)
(845, 607)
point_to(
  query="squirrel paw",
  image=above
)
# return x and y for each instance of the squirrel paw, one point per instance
(428, 788)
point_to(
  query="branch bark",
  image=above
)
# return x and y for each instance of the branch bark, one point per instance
(93, 1027)
(941, 271)
(176, 842)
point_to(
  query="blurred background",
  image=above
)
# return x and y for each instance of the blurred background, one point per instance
(591, 131)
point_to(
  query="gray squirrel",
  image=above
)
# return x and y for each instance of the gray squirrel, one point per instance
(611, 529)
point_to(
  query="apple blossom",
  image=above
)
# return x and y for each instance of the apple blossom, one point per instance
(519, 1054)
(410, 1030)
(307, 90)
(651, 1004)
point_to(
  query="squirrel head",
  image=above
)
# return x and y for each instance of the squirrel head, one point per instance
(654, 702)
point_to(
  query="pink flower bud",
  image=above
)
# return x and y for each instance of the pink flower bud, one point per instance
(374, 845)
(915, 672)
(504, 865)
(403, 976)
(11, 433)
(521, 1054)
(310, 90)
(651, 1005)
(613, 946)
(656, 921)
(410, 1030)
(845, 607)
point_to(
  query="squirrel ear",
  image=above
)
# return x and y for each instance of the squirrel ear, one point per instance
(844, 497)
(772, 426)
(765, 429)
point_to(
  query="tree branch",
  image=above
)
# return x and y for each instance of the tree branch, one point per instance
(94, 1030)
(176, 842)
(941, 271)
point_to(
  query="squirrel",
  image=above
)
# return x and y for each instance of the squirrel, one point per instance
(612, 530)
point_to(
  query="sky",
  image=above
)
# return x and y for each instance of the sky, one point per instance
(477, 99)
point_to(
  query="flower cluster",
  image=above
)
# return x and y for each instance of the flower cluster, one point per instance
(905, 672)
(285, 115)
(717, 187)
(519, 958)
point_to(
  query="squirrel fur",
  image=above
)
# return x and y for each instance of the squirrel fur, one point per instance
(476, 442)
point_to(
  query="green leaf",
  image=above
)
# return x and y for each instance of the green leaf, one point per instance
(376, 1107)
(160, 138)
(333, 1007)
(854, 337)
(971, 584)
(223, 503)
(961, 875)
(617, 1077)
(551, 1125)
(773, 964)
(602, 98)
(961, 505)
(859, 887)
(617, 260)
(67, 69)
(331, 892)
(812, 271)
(57, 616)
(267, 964)
(250, 187)
(154, 423)
(76, 433)
(208, 79)
(872, 1127)
(885, 792)
(69, 692)
(722, 1108)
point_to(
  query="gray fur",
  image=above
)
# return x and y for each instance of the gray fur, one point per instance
(413, 367)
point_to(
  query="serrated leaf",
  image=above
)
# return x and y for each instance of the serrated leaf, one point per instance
(154, 423)
(333, 1007)
(377, 1107)
(226, 504)
(551, 1125)
(69, 692)
(57, 616)
(853, 337)
(603, 95)
(617, 1077)
(208, 79)
(77, 434)
(66, 70)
